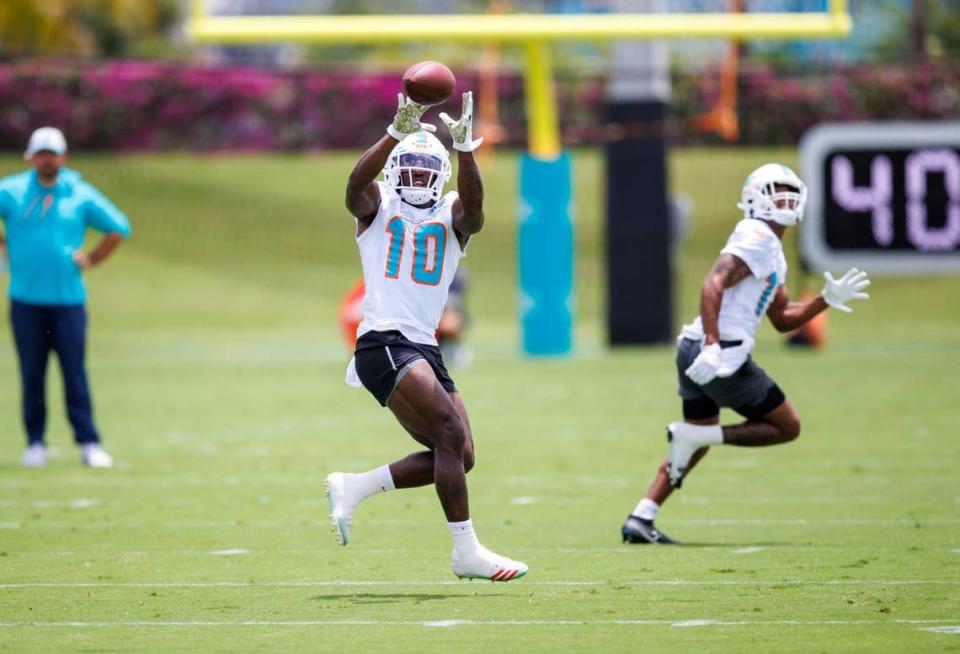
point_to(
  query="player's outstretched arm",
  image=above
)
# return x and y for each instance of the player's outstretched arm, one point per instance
(468, 209)
(786, 316)
(363, 196)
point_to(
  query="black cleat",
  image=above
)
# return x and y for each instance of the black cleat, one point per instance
(639, 531)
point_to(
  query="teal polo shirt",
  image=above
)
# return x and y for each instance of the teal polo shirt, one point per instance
(44, 226)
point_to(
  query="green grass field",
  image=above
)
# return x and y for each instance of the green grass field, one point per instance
(217, 373)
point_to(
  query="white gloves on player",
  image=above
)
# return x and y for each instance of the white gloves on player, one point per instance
(713, 361)
(718, 361)
(837, 292)
(407, 120)
(706, 366)
(462, 130)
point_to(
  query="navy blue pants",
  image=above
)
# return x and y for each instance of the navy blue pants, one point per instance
(37, 329)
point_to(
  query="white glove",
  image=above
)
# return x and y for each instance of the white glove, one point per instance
(462, 130)
(705, 367)
(407, 120)
(731, 358)
(837, 292)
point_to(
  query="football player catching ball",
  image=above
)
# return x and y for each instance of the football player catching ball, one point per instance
(411, 238)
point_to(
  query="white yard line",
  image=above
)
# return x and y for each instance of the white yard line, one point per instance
(80, 503)
(485, 623)
(748, 550)
(954, 629)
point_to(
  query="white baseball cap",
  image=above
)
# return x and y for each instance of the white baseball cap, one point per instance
(46, 139)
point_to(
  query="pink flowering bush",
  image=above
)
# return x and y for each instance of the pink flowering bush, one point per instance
(161, 105)
(776, 107)
(148, 105)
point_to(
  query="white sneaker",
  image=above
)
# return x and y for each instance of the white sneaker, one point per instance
(342, 506)
(35, 456)
(684, 441)
(95, 456)
(484, 564)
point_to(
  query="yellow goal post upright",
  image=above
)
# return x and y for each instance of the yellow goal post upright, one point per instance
(546, 242)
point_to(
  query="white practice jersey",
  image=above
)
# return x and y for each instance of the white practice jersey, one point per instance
(744, 305)
(409, 258)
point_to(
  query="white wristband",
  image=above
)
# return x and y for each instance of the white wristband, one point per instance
(395, 133)
(467, 146)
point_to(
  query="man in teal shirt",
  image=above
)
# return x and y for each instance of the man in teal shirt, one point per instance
(46, 212)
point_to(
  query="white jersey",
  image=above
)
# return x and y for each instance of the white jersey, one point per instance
(409, 258)
(744, 305)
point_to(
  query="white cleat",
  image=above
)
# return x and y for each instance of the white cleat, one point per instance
(341, 510)
(95, 456)
(484, 564)
(684, 443)
(35, 456)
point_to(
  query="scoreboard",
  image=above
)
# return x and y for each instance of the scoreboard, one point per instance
(882, 196)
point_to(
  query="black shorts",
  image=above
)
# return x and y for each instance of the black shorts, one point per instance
(383, 358)
(749, 391)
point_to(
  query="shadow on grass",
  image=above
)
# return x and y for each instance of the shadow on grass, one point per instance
(688, 543)
(389, 598)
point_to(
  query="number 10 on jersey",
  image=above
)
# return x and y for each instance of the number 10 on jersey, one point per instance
(429, 246)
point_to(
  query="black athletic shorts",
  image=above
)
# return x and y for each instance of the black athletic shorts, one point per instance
(749, 391)
(383, 358)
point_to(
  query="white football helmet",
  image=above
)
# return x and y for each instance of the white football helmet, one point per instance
(761, 199)
(421, 152)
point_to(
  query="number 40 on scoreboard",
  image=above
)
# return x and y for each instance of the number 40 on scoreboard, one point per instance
(882, 196)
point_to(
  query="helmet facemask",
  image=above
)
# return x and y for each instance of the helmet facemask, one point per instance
(774, 192)
(418, 168)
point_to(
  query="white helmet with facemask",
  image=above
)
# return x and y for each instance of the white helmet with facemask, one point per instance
(774, 192)
(423, 153)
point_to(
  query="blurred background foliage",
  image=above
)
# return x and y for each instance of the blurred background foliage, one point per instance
(151, 28)
(119, 74)
(93, 28)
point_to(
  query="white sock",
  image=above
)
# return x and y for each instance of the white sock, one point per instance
(646, 509)
(365, 484)
(707, 434)
(464, 538)
(386, 478)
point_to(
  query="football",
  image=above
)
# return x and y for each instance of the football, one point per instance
(428, 82)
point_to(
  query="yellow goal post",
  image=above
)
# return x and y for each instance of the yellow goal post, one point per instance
(534, 31)
(545, 240)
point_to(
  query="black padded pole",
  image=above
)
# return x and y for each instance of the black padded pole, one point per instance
(639, 244)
